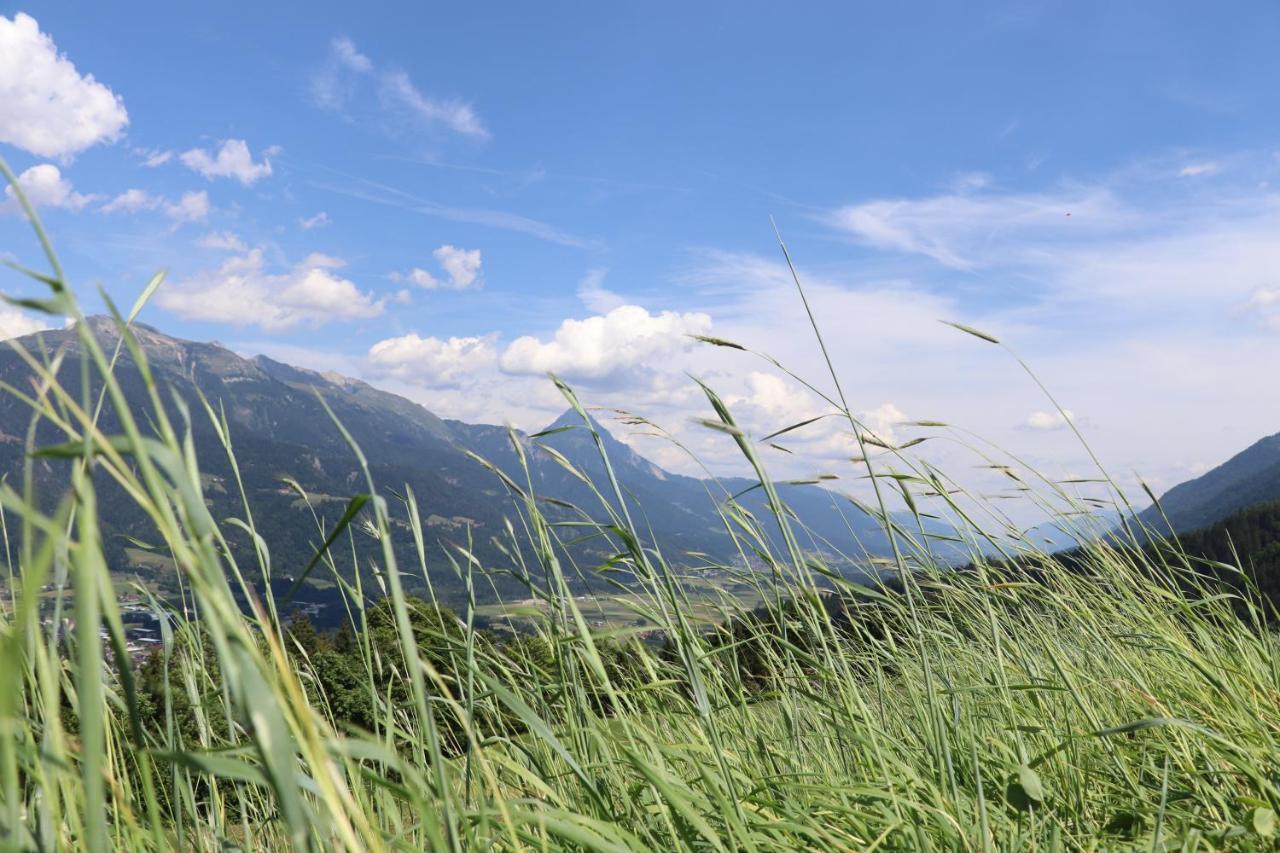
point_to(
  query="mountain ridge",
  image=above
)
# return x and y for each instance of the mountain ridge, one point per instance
(1248, 478)
(279, 425)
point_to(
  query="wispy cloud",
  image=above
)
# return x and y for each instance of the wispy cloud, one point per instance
(222, 241)
(318, 220)
(1196, 170)
(1048, 421)
(377, 193)
(153, 157)
(593, 294)
(397, 90)
(349, 56)
(190, 206)
(966, 230)
(338, 83)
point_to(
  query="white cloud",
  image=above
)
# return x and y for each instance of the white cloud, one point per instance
(1195, 170)
(418, 276)
(1264, 297)
(318, 221)
(1048, 420)
(335, 86)
(1215, 254)
(15, 323)
(46, 106)
(754, 298)
(232, 160)
(131, 201)
(151, 158)
(1265, 304)
(461, 266)
(191, 207)
(594, 296)
(345, 51)
(882, 421)
(381, 194)
(432, 362)
(969, 181)
(242, 293)
(777, 399)
(601, 347)
(44, 186)
(395, 88)
(967, 231)
(222, 240)
(771, 403)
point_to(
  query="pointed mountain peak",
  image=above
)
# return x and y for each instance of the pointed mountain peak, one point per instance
(579, 447)
(288, 373)
(570, 418)
(105, 325)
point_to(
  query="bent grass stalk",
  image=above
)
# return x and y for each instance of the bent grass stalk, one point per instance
(1127, 701)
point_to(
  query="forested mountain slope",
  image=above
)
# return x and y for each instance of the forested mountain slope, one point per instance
(281, 432)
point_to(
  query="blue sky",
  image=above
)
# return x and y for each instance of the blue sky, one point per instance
(450, 199)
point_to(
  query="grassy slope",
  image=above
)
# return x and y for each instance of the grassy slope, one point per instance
(1096, 709)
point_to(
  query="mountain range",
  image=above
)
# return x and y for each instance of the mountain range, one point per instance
(1249, 478)
(280, 431)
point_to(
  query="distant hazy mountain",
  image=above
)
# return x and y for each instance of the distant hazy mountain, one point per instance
(1248, 478)
(280, 430)
(1072, 531)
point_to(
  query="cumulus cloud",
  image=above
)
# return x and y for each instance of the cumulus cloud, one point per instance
(319, 220)
(336, 84)
(771, 403)
(232, 160)
(44, 186)
(432, 362)
(191, 207)
(604, 346)
(15, 323)
(775, 399)
(883, 421)
(47, 107)
(1048, 421)
(461, 268)
(242, 292)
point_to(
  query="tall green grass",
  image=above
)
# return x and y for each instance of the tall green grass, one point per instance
(1015, 704)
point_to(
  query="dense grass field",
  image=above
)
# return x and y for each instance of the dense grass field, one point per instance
(1123, 703)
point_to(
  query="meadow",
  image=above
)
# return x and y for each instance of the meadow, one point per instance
(1123, 702)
